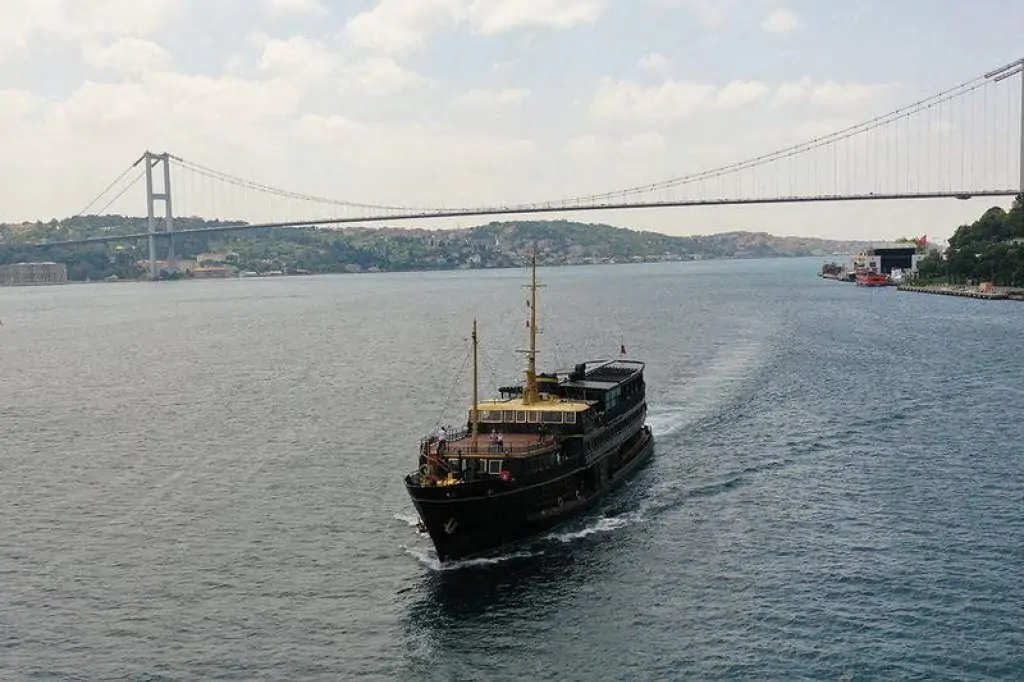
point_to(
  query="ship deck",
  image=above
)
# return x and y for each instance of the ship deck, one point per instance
(513, 444)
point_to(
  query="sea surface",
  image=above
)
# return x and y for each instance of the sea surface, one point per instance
(203, 481)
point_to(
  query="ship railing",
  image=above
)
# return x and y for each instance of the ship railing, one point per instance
(455, 450)
(460, 444)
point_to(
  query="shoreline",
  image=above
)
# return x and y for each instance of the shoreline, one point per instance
(421, 270)
(964, 291)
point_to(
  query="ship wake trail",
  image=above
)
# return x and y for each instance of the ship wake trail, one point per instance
(708, 395)
(430, 560)
(709, 392)
(604, 524)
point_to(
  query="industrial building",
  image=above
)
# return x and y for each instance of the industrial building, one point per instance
(884, 259)
(33, 274)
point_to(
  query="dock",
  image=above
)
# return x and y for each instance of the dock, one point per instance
(964, 291)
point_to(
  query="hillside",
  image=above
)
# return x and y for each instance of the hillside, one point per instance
(323, 250)
(989, 249)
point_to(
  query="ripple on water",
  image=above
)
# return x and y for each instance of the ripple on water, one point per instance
(203, 481)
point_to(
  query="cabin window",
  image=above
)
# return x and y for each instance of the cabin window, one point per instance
(509, 416)
(552, 417)
(533, 417)
(521, 416)
(488, 415)
(570, 417)
(494, 466)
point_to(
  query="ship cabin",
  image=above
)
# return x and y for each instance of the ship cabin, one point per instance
(517, 439)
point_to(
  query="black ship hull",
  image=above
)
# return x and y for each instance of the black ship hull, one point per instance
(479, 518)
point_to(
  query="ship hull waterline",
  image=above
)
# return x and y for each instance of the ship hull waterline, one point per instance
(473, 527)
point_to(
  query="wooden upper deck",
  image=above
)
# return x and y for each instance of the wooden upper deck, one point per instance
(512, 445)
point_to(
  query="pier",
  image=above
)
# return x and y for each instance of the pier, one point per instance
(964, 291)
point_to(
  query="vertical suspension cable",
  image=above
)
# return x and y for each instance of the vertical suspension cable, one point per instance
(963, 148)
(927, 151)
(984, 137)
(971, 142)
(896, 155)
(946, 146)
(835, 186)
(1006, 147)
(814, 180)
(909, 188)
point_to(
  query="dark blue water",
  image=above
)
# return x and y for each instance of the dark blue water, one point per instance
(202, 480)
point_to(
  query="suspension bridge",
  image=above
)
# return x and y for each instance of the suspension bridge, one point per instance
(966, 141)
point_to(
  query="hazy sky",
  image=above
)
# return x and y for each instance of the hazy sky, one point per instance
(468, 102)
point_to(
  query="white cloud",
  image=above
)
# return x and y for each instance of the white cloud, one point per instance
(629, 101)
(127, 56)
(711, 13)
(671, 99)
(584, 145)
(792, 93)
(498, 16)
(382, 76)
(829, 93)
(24, 20)
(206, 103)
(297, 7)
(14, 104)
(643, 142)
(486, 98)
(832, 94)
(632, 101)
(401, 25)
(396, 26)
(423, 149)
(740, 94)
(590, 145)
(781, 20)
(298, 57)
(655, 62)
(309, 61)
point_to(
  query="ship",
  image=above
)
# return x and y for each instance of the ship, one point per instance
(542, 453)
(872, 279)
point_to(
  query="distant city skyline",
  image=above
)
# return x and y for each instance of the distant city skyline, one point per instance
(471, 102)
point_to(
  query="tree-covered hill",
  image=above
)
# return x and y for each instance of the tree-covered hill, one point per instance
(325, 250)
(989, 249)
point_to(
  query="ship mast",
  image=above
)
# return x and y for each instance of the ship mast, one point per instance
(530, 392)
(476, 395)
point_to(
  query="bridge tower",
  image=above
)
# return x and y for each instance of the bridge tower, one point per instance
(152, 160)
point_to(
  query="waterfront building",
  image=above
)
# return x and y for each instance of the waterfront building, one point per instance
(33, 274)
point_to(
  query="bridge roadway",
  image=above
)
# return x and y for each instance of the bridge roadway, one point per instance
(534, 209)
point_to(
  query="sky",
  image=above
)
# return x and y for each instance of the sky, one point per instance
(502, 102)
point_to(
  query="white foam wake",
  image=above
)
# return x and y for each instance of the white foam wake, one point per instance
(430, 560)
(411, 519)
(605, 524)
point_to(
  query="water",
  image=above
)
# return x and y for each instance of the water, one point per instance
(202, 480)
